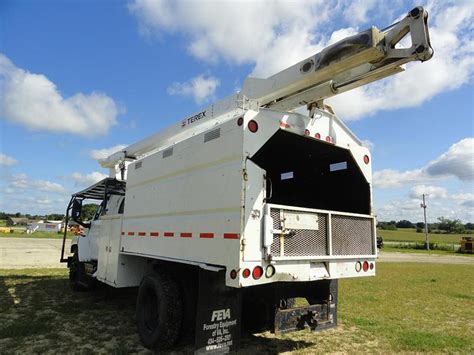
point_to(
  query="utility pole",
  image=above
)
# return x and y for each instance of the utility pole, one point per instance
(423, 205)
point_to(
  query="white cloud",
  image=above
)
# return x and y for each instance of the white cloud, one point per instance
(82, 180)
(21, 182)
(393, 178)
(35, 102)
(272, 35)
(357, 11)
(7, 160)
(368, 144)
(105, 152)
(458, 161)
(432, 191)
(201, 88)
(451, 67)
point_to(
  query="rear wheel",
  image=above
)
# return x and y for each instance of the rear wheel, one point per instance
(159, 311)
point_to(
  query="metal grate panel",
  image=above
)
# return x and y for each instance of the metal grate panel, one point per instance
(209, 136)
(352, 235)
(168, 152)
(301, 242)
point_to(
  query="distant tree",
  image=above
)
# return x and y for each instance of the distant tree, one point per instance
(404, 224)
(88, 211)
(420, 225)
(469, 226)
(18, 214)
(387, 225)
(54, 217)
(450, 225)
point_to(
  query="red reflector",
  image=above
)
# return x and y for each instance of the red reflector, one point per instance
(317, 135)
(366, 159)
(329, 139)
(371, 266)
(246, 273)
(257, 272)
(365, 266)
(240, 121)
(233, 274)
(253, 126)
(306, 132)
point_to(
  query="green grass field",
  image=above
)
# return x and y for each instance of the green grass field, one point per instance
(405, 308)
(410, 235)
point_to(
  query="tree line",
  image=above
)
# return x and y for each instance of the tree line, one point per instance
(444, 225)
(88, 211)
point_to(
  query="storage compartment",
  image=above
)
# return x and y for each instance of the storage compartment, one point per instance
(305, 172)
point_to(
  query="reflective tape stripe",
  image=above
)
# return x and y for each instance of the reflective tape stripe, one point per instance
(169, 234)
(186, 235)
(231, 236)
(206, 235)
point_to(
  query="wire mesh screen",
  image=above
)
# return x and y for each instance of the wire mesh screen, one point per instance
(300, 242)
(352, 235)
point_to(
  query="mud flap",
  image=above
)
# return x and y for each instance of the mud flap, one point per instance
(218, 318)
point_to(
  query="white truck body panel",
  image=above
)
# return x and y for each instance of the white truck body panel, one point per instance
(202, 201)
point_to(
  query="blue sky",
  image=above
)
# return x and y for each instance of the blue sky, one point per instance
(78, 78)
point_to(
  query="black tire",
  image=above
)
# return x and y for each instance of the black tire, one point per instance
(78, 279)
(159, 311)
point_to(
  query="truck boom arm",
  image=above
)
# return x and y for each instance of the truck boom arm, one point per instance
(352, 62)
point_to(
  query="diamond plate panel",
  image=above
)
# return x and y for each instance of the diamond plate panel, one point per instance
(352, 235)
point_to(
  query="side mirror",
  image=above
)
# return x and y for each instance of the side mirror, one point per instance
(76, 210)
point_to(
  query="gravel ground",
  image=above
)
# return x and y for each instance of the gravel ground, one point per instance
(425, 258)
(21, 253)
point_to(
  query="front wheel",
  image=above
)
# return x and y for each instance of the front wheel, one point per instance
(78, 279)
(159, 311)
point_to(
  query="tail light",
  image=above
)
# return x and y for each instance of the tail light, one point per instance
(372, 266)
(317, 136)
(365, 266)
(253, 126)
(269, 271)
(306, 132)
(240, 121)
(358, 266)
(329, 139)
(366, 159)
(257, 272)
(233, 274)
(246, 273)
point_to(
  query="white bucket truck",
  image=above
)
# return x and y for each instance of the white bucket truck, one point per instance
(226, 217)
